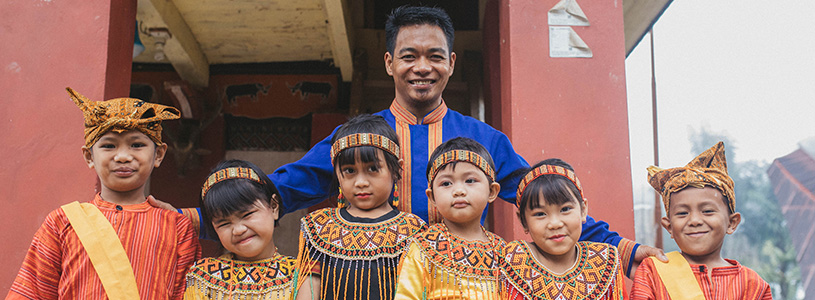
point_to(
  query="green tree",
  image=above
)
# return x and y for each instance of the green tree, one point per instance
(762, 241)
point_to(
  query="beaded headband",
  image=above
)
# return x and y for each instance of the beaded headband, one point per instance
(460, 155)
(229, 173)
(364, 139)
(547, 170)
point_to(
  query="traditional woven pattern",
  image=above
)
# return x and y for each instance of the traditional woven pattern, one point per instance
(592, 276)
(226, 278)
(122, 114)
(460, 155)
(707, 169)
(229, 173)
(547, 170)
(364, 139)
(472, 259)
(329, 233)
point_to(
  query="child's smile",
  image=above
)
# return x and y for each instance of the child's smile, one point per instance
(555, 229)
(123, 162)
(248, 234)
(698, 220)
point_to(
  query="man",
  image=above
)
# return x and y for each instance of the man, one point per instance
(420, 60)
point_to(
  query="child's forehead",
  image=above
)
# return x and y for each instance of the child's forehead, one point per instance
(692, 196)
(460, 167)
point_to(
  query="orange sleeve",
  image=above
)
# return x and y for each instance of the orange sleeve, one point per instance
(647, 284)
(39, 275)
(189, 251)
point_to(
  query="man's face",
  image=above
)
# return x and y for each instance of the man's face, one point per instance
(420, 65)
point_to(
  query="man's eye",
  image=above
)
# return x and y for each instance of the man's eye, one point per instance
(437, 57)
(408, 57)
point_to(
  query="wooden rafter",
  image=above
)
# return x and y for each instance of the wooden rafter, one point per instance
(340, 34)
(181, 49)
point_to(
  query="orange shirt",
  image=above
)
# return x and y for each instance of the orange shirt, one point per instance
(724, 283)
(160, 244)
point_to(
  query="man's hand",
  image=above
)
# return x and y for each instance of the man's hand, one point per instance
(164, 205)
(644, 251)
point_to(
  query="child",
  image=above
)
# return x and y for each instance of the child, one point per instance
(241, 206)
(555, 265)
(456, 258)
(117, 246)
(700, 206)
(352, 252)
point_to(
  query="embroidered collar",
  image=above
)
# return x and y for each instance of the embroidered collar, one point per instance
(478, 259)
(403, 115)
(589, 278)
(331, 234)
(105, 205)
(226, 274)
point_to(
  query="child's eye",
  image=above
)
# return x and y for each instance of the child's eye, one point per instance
(708, 211)
(107, 146)
(470, 180)
(566, 208)
(248, 214)
(348, 170)
(681, 213)
(221, 225)
(373, 169)
(138, 145)
(445, 183)
(539, 214)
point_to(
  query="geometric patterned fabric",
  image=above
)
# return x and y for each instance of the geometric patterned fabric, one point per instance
(595, 274)
(354, 260)
(227, 278)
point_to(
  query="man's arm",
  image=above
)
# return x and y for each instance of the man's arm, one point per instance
(306, 182)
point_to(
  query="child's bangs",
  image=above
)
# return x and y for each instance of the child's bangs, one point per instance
(555, 189)
(349, 156)
(231, 196)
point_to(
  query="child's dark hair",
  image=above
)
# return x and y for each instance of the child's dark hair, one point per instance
(459, 143)
(417, 15)
(367, 123)
(235, 195)
(555, 189)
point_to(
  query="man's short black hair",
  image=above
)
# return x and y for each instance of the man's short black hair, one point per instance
(417, 15)
(555, 189)
(459, 143)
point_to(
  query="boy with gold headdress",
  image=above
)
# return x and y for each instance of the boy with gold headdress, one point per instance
(116, 246)
(700, 205)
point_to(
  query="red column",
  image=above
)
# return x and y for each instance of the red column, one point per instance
(570, 108)
(49, 45)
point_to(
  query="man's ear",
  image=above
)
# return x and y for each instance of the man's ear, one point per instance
(388, 62)
(666, 223)
(735, 220)
(161, 150)
(452, 64)
(429, 193)
(495, 188)
(87, 154)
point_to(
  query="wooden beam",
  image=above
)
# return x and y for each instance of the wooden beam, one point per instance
(639, 16)
(181, 49)
(340, 34)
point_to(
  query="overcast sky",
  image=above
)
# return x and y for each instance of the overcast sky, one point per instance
(742, 68)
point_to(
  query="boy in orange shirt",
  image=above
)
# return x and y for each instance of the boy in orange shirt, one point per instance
(116, 246)
(701, 208)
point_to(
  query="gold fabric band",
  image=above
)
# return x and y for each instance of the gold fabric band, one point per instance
(229, 173)
(460, 155)
(364, 139)
(547, 170)
(678, 278)
(104, 249)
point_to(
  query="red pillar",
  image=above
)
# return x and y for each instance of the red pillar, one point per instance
(50, 45)
(570, 108)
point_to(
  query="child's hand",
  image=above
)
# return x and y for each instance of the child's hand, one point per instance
(164, 205)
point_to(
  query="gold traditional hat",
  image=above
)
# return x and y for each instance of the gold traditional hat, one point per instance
(120, 115)
(707, 169)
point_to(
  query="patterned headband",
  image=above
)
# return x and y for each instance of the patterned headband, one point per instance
(460, 155)
(229, 173)
(364, 139)
(547, 170)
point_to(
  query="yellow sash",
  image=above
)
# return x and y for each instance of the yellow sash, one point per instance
(678, 278)
(104, 250)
